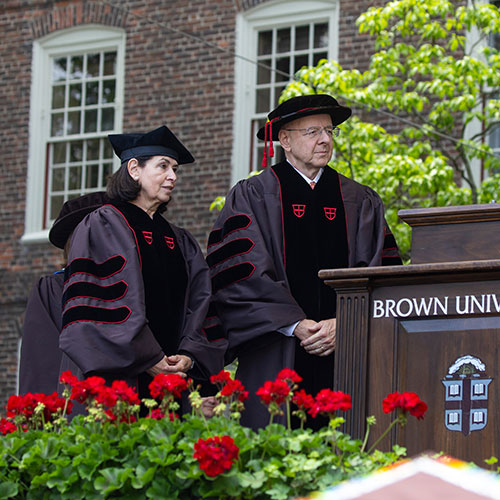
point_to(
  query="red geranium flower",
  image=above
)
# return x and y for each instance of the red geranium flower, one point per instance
(215, 455)
(328, 401)
(125, 393)
(164, 385)
(289, 375)
(303, 400)
(274, 392)
(234, 388)
(6, 426)
(407, 402)
(221, 378)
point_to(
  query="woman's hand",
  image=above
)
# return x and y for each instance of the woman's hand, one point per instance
(178, 363)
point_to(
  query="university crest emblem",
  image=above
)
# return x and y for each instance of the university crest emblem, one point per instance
(148, 236)
(299, 210)
(170, 242)
(466, 395)
(330, 213)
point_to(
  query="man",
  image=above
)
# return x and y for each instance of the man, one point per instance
(275, 232)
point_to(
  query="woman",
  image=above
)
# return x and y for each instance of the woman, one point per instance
(137, 288)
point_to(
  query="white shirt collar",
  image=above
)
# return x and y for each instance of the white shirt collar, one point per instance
(316, 179)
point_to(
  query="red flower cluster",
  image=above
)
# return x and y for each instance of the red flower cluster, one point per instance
(328, 401)
(234, 388)
(221, 378)
(116, 400)
(303, 400)
(289, 375)
(274, 392)
(215, 455)
(158, 414)
(407, 401)
(6, 426)
(168, 385)
(25, 405)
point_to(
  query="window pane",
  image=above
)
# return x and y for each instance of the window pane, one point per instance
(73, 126)
(263, 105)
(110, 63)
(107, 170)
(495, 138)
(75, 178)
(76, 67)
(57, 126)
(59, 69)
(56, 203)
(265, 44)
(284, 40)
(75, 94)
(264, 74)
(277, 94)
(93, 64)
(320, 36)
(300, 61)
(92, 180)
(59, 152)
(108, 91)
(76, 151)
(92, 95)
(93, 149)
(283, 64)
(107, 150)
(302, 38)
(58, 96)
(90, 120)
(58, 179)
(317, 57)
(108, 119)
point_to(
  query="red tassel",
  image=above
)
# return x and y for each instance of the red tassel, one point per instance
(271, 149)
(264, 159)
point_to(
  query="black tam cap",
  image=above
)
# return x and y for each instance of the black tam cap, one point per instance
(300, 106)
(72, 213)
(158, 142)
(295, 108)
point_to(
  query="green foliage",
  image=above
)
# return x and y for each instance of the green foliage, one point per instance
(442, 89)
(154, 459)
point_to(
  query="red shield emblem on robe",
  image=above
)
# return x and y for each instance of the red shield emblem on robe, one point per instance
(330, 212)
(299, 210)
(170, 242)
(148, 236)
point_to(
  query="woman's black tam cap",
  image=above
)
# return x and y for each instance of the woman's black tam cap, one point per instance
(300, 106)
(158, 142)
(72, 213)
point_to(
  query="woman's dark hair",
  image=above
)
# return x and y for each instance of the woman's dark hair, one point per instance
(121, 186)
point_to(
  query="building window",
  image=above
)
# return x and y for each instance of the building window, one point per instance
(453, 418)
(454, 390)
(77, 95)
(281, 36)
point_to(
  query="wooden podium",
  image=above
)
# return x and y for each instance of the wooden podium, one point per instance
(431, 327)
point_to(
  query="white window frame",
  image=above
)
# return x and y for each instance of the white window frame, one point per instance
(275, 14)
(64, 42)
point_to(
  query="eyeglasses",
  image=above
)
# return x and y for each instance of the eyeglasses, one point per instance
(313, 132)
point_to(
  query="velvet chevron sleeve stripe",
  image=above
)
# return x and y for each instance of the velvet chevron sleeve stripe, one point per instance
(84, 289)
(232, 224)
(101, 270)
(231, 275)
(233, 248)
(95, 315)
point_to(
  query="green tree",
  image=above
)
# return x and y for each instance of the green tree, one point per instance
(442, 89)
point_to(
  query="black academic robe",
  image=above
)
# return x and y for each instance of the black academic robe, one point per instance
(247, 259)
(40, 354)
(106, 330)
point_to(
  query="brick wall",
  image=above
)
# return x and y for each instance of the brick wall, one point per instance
(170, 79)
